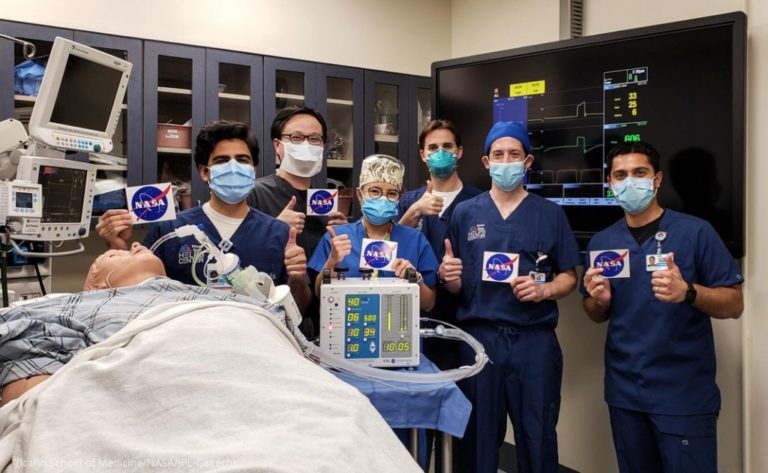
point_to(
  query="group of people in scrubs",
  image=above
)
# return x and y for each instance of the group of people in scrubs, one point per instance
(659, 357)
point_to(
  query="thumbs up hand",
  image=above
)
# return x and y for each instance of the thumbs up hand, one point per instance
(341, 246)
(295, 259)
(429, 204)
(291, 217)
(451, 267)
(668, 285)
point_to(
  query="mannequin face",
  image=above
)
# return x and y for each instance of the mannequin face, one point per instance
(121, 268)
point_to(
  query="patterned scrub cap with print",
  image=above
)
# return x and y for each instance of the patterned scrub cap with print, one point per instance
(382, 168)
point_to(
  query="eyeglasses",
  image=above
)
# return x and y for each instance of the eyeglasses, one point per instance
(298, 138)
(377, 193)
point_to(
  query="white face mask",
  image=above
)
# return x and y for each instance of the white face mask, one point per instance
(303, 160)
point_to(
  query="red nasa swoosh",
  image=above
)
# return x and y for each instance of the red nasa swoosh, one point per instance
(155, 199)
(620, 257)
(328, 199)
(510, 262)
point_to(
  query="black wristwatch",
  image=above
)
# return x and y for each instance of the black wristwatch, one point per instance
(690, 294)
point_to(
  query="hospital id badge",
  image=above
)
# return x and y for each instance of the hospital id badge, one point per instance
(615, 263)
(500, 267)
(656, 262)
(539, 278)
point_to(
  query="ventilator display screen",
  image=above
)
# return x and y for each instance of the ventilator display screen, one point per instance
(378, 325)
(678, 86)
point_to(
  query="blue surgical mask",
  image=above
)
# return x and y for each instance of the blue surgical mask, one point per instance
(508, 175)
(379, 211)
(441, 163)
(233, 181)
(634, 194)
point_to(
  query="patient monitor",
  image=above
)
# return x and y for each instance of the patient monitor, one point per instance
(80, 98)
(372, 321)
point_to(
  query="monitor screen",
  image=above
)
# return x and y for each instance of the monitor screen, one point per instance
(63, 193)
(679, 87)
(86, 94)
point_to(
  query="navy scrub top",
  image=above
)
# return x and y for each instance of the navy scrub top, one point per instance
(660, 357)
(411, 245)
(259, 241)
(536, 226)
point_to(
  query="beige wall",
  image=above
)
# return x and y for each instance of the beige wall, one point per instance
(755, 322)
(392, 35)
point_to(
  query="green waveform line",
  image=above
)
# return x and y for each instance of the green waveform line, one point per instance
(581, 142)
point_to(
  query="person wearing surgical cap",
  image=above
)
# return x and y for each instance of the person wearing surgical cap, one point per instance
(509, 256)
(380, 187)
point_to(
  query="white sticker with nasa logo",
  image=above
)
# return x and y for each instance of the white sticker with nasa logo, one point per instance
(378, 254)
(615, 263)
(322, 201)
(500, 267)
(150, 203)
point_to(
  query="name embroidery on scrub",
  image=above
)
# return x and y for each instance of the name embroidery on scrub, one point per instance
(188, 252)
(476, 232)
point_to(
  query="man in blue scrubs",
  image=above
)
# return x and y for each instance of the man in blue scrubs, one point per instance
(381, 180)
(226, 154)
(429, 209)
(510, 256)
(659, 354)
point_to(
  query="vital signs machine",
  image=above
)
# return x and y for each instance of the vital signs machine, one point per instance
(372, 321)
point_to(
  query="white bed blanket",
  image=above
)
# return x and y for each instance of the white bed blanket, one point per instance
(197, 387)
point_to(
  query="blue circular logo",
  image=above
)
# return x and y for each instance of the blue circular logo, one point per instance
(321, 202)
(150, 203)
(499, 267)
(377, 254)
(611, 262)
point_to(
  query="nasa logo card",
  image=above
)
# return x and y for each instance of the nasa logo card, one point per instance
(322, 201)
(500, 267)
(151, 203)
(615, 263)
(378, 254)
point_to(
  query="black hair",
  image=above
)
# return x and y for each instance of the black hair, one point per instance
(284, 115)
(212, 133)
(639, 147)
(439, 125)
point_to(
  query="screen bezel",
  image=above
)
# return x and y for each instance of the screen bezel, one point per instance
(735, 20)
(62, 49)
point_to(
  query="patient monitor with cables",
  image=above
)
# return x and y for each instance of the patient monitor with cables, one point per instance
(372, 321)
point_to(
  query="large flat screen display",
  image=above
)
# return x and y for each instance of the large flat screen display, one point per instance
(678, 86)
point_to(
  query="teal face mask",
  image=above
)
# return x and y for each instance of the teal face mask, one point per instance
(634, 194)
(441, 163)
(508, 175)
(232, 182)
(379, 211)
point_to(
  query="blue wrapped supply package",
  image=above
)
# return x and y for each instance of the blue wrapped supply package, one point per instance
(28, 76)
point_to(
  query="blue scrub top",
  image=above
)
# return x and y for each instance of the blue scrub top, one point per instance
(536, 226)
(660, 357)
(435, 229)
(259, 241)
(411, 245)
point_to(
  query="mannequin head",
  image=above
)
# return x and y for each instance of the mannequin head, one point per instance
(121, 268)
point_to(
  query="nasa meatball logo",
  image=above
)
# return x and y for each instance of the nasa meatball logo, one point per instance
(615, 263)
(500, 267)
(321, 202)
(151, 203)
(378, 254)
